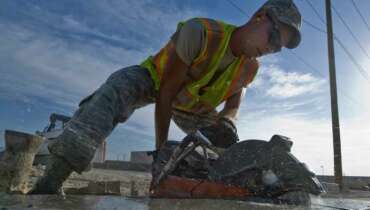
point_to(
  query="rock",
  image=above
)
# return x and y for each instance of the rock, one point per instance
(16, 162)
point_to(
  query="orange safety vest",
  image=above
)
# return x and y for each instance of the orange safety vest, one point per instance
(199, 92)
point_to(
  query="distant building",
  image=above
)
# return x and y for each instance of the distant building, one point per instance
(1, 152)
(141, 157)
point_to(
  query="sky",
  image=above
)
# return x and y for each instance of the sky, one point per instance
(54, 53)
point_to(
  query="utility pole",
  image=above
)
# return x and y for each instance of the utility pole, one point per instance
(334, 100)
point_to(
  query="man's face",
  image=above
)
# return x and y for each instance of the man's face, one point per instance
(264, 36)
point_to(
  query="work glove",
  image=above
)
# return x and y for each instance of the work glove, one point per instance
(222, 134)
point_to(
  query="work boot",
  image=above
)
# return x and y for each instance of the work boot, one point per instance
(57, 171)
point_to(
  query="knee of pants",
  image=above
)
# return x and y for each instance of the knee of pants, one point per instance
(104, 97)
(124, 91)
(105, 104)
(114, 103)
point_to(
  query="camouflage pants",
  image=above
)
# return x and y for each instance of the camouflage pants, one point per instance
(124, 91)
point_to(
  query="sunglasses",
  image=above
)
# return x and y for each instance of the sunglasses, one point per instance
(275, 37)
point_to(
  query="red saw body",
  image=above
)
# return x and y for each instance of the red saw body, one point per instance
(179, 187)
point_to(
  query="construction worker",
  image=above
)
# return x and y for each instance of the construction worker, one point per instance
(206, 62)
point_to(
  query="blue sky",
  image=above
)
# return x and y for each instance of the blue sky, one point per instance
(53, 53)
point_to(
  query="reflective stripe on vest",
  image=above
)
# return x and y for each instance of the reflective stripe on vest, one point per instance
(203, 69)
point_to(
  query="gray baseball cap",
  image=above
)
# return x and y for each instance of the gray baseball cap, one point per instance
(285, 11)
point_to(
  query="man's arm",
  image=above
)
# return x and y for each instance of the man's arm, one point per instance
(231, 106)
(174, 77)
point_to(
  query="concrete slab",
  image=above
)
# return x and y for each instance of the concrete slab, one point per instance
(97, 188)
(17, 160)
(12, 202)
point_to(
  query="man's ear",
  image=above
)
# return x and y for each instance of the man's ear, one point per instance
(259, 16)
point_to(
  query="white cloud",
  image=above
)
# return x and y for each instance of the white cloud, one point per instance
(313, 139)
(49, 68)
(297, 105)
(278, 83)
(59, 58)
(309, 137)
(56, 59)
(290, 84)
(63, 57)
(277, 91)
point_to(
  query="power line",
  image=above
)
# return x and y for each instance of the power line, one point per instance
(316, 12)
(246, 14)
(319, 16)
(359, 12)
(238, 8)
(352, 58)
(313, 69)
(322, 31)
(362, 71)
(345, 49)
(351, 32)
(313, 26)
(303, 20)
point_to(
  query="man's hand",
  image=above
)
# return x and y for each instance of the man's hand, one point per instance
(223, 134)
(174, 77)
